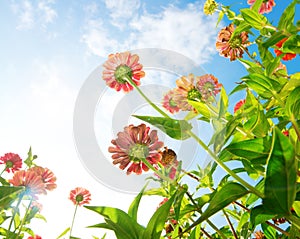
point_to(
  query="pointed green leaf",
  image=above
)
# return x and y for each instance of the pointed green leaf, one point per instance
(223, 104)
(254, 19)
(259, 215)
(201, 108)
(176, 129)
(157, 221)
(178, 200)
(120, 221)
(225, 195)
(7, 195)
(292, 45)
(253, 149)
(133, 209)
(269, 231)
(63, 233)
(276, 37)
(287, 17)
(293, 103)
(281, 175)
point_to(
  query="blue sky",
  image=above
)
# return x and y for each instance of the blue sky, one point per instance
(49, 48)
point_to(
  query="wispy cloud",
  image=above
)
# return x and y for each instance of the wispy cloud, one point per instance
(185, 30)
(122, 10)
(31, 14)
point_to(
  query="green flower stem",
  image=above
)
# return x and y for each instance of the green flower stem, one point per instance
(24, 219)
(15, 212)
(73, 220)
(128, 79)
(3, 170)
(149, 165)
(222, 165)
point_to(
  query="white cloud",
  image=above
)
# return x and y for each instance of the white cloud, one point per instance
(30, 14)
(122, 10)
(187, 31)
(98, 39)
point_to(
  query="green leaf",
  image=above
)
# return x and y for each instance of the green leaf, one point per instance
(281, 175)
(254, 19)
(221, 198)
(8, 194)
(252, 198)
(63, 233)
(276, 37)
(292, 45)
(292, 106)
(287, 18)
(259, 215)
(270, 68)
(256, 5)
(221, 15)
(176, 129)
(269, 231)
(223, 104)
(238, 88)
(253, 149)
(157, 221)
(133, 208)
(123, 225)
(201, 108)
(178, 200)
(196, 233)
(156, 191)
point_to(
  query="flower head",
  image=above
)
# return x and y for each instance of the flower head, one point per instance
(208, 86)
(185, 91)
(239, 105)
(231, 47)
(210, 7)
(80, 196)
(134, 144)
(12, 162)
(265, 7)
(35, 237)
(286, 56)
(47, 176)
(32, 182)
(121, 66)
(170, 162)
(169, 103)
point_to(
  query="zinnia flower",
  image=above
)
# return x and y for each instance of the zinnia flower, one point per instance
(231, 47)
(169, 103)
(286, 56)
(185, 91)
(239, 105)
(35, 237)
(265, 7)
(80, 196)
(47, 176)
(12, 162)
(170, 162)
(208, 86)
(121, 66)
(134, 144)
(32, 182)
(210, 7)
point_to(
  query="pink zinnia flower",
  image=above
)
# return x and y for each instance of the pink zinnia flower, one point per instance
(169, 103)
(12, 162)
(185, 91)
(239, 105)
(134, 144)
(265, 7)
(121, 66)
(80, 196)
(208, 86)
(47, 176)
(231, 47)
(32, 182)
(35, 237)
(286, 56)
